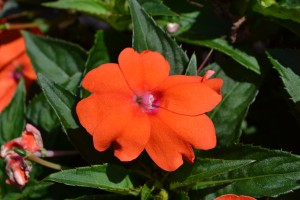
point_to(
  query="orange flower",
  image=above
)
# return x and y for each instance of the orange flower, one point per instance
(136, 105)
(234, 197)
(14, 64)
(17, 168)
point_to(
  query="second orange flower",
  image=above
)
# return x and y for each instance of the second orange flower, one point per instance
(135, 105)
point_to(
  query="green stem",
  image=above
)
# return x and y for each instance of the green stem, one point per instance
(43, 162)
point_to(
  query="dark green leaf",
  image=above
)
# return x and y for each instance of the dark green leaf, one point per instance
(60, 100)
(147, 35)
(191, 69)
(12, 118)
(156, 7)
(273, 173)
(41, 114)
(106, 177)
(198, 22)
(238, 92)
(284, 9)
(98, 54)
(284, 61)
(55, 59)
(220, 44)
(190, 175)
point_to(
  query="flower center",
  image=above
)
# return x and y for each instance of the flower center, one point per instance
(18, 73)
(147, 102)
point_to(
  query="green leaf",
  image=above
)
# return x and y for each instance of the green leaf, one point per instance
(156, 7)
(284, 61)
(56, 59)
(60, 100)
(273, 173)
(146, 192)
(190, 175)
(147, 35)
(106, 177)
(92, 7)
(238, 92)
(41, 113)
(191, 69)
(12, 118)
(220, 44)
(285, 9)
(98, 54)
(114, 12)
(33, 190)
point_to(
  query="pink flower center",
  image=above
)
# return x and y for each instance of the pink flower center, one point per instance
(147, 102)
(18, 73)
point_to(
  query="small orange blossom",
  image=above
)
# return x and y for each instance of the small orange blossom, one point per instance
(136, 105)
(17, 168)
(234, 197)
(14, 64)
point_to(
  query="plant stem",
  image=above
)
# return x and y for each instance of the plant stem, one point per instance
(43, 162)
(204, 61)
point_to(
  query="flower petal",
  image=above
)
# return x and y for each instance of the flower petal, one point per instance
(166, 148)
(8, 87)
(215, 84)
(31, 139)
(189, 98)
(133, 139)
(94, 109)
(11, 51)
(234, 197)
(198, 130)
(143, 71)
(106, 78)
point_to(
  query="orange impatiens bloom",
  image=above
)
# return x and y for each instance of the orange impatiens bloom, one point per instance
(14, 64)
(136, 105)
(17, 168)
(234, 197)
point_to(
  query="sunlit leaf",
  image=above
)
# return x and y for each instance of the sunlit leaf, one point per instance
(114, 12)
(285, 9)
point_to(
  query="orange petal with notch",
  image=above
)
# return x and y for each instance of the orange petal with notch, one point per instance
(165, 148)
(189, 99)
(198, 131)
(8, 87)
(234, 197)
(215, 84)
(133, 138)
(143, 71)
(96, 108)
(106, 78)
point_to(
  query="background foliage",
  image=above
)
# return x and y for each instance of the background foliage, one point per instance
(256, 51)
